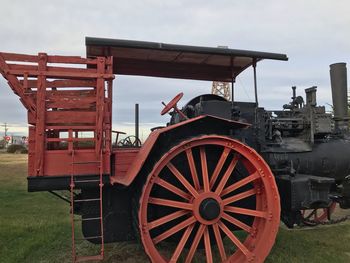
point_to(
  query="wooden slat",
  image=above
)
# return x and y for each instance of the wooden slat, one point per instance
(71, 70)
(67, 117)
(68, 83)
(74, 103)
(19, 57)
(70, 74)
(67, 139)
(32, 68)
(70, 127)
(22, 67)
(51, 59)
(71, 60)
(70, 93)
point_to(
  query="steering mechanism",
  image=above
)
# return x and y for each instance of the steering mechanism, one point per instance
(173, 105)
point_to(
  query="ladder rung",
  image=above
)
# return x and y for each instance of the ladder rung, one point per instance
(87, 200)
(88, 258)
(89, 162)
(87, 238)
(87, 219)
(87, 181)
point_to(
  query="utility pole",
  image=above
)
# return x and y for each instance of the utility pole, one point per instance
(5, 137)
(6, 128)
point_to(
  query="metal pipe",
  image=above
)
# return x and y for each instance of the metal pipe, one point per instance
(339, 86)
(255, 83)
(294, 93)
(137, 121)
(232, 89)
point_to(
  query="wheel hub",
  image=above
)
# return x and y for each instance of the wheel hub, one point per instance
(209, 209)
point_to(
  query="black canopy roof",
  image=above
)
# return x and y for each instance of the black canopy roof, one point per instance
(175, 61)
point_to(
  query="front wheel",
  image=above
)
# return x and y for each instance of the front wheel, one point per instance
(209, 199)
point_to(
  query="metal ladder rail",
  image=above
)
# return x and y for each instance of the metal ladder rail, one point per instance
(100, 218)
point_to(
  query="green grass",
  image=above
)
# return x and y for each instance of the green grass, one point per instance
(35, 227)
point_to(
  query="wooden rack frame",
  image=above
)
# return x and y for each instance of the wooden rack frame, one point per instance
(66, 97)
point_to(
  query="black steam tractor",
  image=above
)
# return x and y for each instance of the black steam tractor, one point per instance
(307, 148)
(213, 184)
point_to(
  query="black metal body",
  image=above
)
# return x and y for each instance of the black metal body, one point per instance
(307, 148)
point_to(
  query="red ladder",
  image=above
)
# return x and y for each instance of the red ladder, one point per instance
(79, 180)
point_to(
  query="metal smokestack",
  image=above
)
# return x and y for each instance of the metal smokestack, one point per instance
(339, 95)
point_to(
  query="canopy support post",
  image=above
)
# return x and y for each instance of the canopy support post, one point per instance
(255, 83)
(232, 89)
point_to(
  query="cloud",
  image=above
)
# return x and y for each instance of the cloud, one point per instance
(313, 33)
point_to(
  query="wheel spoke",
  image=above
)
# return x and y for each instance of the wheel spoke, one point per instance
(245, 211)
(192, 168)
(236, 222)
(195, 243)
(239, 196)
(218, 167)
(172, 188)
(182, 243)
(166, 219)
(182, 179)
(241, 183)
(312, 213)
(234, 239)
(207, 246)
(226, 175)
(204, 169)
(174, 230)
(219, 242)
(171, 203)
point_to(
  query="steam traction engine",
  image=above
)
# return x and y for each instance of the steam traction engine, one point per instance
(196, 189)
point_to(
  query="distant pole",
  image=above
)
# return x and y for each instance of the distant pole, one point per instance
(137, 122)
(6, 128)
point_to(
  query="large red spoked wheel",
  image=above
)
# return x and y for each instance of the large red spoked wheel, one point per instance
(209, 199)
(318, 215)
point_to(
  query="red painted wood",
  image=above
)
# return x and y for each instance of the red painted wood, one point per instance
(69, 74)
(76, 103)
(84, 107)
(40, 118)
(54, 117)
(67, 83)
(70, 94)
(15, 85)
(123, 159)
(19, 57)
(31, 151)
(58, 163)
(71, 60)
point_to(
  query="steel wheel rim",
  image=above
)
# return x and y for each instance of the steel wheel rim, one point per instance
(260, 235)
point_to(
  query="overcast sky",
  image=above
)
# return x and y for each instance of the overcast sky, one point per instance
(312, 33)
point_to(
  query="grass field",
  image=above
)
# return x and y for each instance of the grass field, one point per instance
(35, 227)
